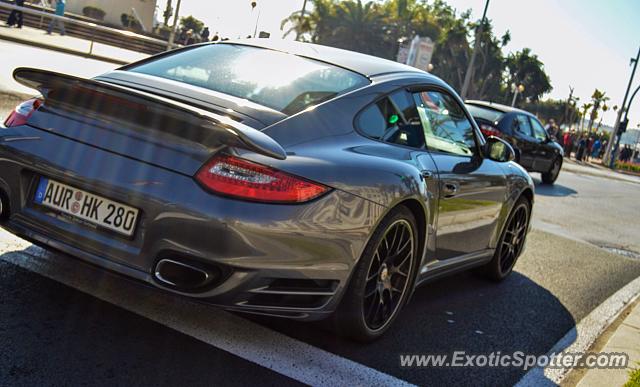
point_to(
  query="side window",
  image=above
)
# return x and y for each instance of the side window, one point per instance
(393, 119)
(444, 124)
(522, 126)
(538, 130)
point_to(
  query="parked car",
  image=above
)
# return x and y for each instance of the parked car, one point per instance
(536, 150)
(274, 178)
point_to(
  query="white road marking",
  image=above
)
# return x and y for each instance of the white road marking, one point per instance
(583, 335)
(241, 337)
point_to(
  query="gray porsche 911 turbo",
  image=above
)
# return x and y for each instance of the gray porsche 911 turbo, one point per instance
(267, 177)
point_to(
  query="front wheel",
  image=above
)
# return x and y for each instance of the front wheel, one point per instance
(511, 242)
(551, 175)
(382, 280)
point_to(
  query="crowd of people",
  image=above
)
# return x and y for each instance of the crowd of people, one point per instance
(584, 146)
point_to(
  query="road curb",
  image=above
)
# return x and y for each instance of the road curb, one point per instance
(580, 338)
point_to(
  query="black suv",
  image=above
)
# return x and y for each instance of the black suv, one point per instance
(535, 150)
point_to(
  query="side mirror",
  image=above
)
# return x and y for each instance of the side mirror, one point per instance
(497, 149)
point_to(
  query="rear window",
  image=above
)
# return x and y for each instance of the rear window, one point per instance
(281, 81)
(485, 113)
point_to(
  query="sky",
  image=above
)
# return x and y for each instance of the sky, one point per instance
(585, 44)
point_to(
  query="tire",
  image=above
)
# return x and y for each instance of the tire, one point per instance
(503, 261)
(377, 280)
(552, 174)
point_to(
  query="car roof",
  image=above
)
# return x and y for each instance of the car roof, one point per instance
(366, 65)
(497, 106)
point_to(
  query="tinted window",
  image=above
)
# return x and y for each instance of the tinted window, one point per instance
(485, 113)
(538, 130)
(393, 119)
(522, 126)
(445, 126)
(281, 81)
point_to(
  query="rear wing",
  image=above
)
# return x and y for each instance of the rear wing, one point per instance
(213, 129)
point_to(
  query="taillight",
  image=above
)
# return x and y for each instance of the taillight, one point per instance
(20, 115)
(489, 130)
(233, 176)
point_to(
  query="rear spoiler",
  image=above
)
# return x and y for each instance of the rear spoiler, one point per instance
(225, 130)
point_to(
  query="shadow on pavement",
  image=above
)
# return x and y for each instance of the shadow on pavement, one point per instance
(553, 190)
(460, 313)
(52, 334)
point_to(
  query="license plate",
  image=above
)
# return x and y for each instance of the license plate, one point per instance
(86, 206)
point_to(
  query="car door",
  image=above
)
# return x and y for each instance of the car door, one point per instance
(472, 188)
(545, 152)
(524, 140)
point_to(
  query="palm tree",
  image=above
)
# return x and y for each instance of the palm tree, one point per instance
(598, 98)
(585, 107)
(359, 22)
(604, 110)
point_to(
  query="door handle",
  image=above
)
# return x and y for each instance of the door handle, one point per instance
(449, 190)
(426, 174)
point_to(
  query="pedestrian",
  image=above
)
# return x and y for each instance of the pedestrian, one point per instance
(552, 129)
(595, 150)
(566, 142)
(15, 17)
(588, 147)
(582, 144)
(60, 4)
(205, 34)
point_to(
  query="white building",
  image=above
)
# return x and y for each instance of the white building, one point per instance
(144, 10)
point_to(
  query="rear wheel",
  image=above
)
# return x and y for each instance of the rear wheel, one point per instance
(551, 175)
(383, 279)
(511, 242)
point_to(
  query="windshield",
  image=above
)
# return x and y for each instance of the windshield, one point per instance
(488, 114)
(281, 81)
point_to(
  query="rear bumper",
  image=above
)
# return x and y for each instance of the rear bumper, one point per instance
(286, 260)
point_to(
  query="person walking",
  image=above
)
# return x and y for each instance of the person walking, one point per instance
(60, 4)
(16, 17)
(205, 34)
(595, 150)
(566, 142)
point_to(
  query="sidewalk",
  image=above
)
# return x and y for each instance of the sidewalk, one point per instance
(69, 45)
(625, 339)
(592, 169)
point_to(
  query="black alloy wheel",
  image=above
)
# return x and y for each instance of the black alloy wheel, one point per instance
(511, 242)
(388, 275)
(383, 279)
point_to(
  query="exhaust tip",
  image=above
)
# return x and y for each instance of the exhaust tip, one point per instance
(184, 276)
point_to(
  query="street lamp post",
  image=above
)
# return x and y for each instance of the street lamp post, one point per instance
(476, 46)
(253, 7)
(516, 90)
(610, 155)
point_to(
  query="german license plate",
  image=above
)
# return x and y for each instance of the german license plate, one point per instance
(86, 206)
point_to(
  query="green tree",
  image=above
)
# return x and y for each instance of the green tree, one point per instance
(525, 68)
(376, 27)
(191, 23)
(598, 98)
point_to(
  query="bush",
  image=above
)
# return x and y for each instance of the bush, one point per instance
(628, 167)
(93, 12)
